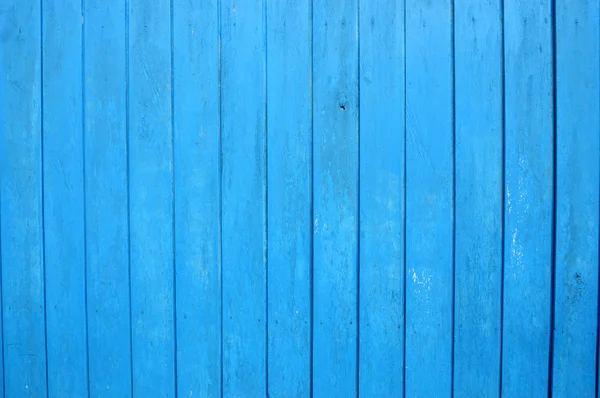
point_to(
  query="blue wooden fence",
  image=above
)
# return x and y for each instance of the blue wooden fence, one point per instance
(329, 198)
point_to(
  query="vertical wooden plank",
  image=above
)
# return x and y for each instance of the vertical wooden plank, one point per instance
(244, 198)
(479, 197)
(151, 198)
(577, 196)
(2, 168)
(107, 243)
(528, 198)
(22, 198)
(429, 198)
(336, 159)
(289, 93)
(382, 206)
(63, 170)
(197, 202)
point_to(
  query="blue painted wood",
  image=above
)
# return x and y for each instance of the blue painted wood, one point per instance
(197, 201)
(21, 200)
(335, 224)
(577, 198)
(479, 197)
(64, 221)
(528, 197)
(289, 121)
(429, 198)
(382, 206)
(244, 207)
(151, 199)
(106, 199)
(232, 240)
(2, 167)
(3, 157)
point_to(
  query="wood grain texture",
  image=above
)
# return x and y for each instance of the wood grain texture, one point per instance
(151, 199)
(479, 197)
(289, 121)
(22, 200)
(197, 201)
(382, 206)
(64, 190)
(106, 199)
(244, 146)
(429, 198)
(335, 224)
(528, 197)
(577, 198)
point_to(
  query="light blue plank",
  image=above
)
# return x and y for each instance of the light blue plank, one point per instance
(197, 198)
(479, 197)
(335, 224)
(243, 198)
(107, 239)
(22, 198)
(382, 205)
(151, 199)
(289, 93)
(528, 197)
(429, 195)
(64, 198)
(577, 196)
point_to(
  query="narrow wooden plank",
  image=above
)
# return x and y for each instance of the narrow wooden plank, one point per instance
(2, 168)
(63, 170)
(382, 206)
(22, 198)
(577, 197)
(289, 91)
(429, 197)
(244, 199)
(197, 201)
(151, 199)
(528, 197)
(107, 243)
(479, 197)
(336, 158)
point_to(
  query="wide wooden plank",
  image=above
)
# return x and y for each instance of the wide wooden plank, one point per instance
(479, 197)
(577, 197)
(21, 200)
(289, 91)
(197, 201)
(151, 199)
(106, 199)
(244, 240)
(528, 197)
(382, 206)
(63, 172)
(335, 224)
(429, 198)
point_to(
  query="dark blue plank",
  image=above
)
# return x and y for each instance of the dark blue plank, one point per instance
(336, 146)
(577, 197)
(197, 201)
(289, 90)
(479, 197)
(528, 197)
(151, 199)
(429, 198)
(64, 198)
(22, 199)
(107, 239)
(382, 206)
(244, 215)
